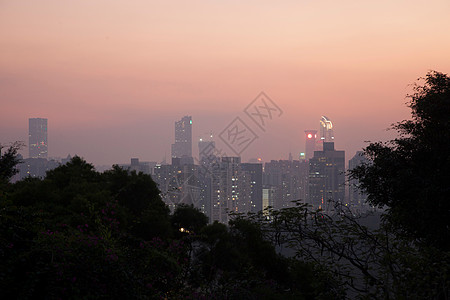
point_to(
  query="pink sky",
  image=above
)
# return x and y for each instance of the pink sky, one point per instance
(112, 77)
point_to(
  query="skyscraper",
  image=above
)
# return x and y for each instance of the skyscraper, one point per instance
(182, 147)
(310, 143)
(326, 177)
(326, 130)
(37, 138)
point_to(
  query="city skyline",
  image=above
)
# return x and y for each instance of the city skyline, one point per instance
(181, 148)
(251, 149)
(113, 83)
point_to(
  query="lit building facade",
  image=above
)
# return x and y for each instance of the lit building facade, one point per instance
(37, 138)
(179, 184)
(326, 130)
(268, 198)
(326, 177)
(231, 189)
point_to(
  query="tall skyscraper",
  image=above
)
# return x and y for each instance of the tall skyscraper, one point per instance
(326, 177)
(310, 143)
(326, 130)
(183, 138)
(37, 138)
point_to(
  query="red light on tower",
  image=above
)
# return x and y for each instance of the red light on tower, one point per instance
(310, 143)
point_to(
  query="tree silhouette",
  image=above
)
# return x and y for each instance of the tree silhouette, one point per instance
(410, 174)
(8, 161)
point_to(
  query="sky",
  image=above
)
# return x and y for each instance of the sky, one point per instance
(112, 77)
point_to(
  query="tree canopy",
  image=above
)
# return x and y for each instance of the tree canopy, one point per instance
(409, 175)
(78, 233)
(8, 161)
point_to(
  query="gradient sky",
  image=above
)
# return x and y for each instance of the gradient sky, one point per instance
(112, 77)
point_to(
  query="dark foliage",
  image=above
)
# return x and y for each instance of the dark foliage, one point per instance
(187, 219)
(78, 233)
(409, 175)
(8, 161)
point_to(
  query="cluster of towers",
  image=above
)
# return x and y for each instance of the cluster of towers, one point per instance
(313, 142)
(326, 176)
(220, 184)
(215, 183)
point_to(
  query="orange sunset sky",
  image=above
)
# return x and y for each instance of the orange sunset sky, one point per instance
(113, 76)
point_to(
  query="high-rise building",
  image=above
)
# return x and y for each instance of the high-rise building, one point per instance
(206, 147)
(254, 172)
(231, 189)
(37, 138)
(310, 143)
(268, 198)
(179, 184)
(357, 199)
(183, 138)
(326, 177)
(326, 130)
(289, 180)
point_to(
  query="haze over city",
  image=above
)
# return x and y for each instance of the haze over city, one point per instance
(113, 77)
(224, 149)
